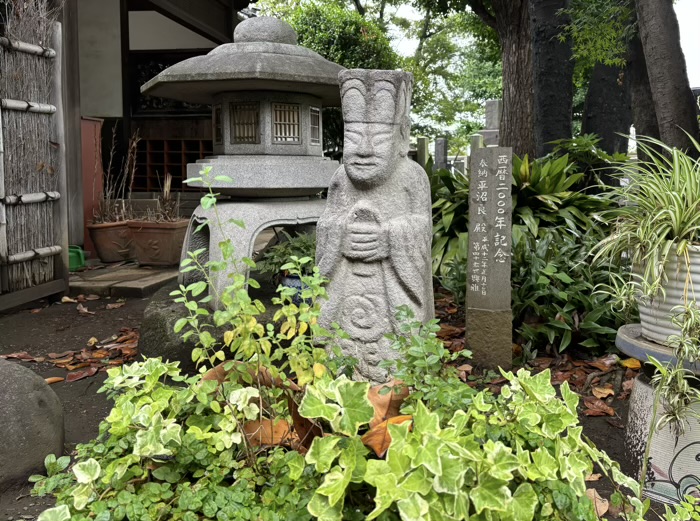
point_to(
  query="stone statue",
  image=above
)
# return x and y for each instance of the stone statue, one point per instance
(374, 237)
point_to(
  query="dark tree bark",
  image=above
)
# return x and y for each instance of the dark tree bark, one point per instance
(668, 76)
(643, 110)
(511, 20)
(553, 73)
(607, 111)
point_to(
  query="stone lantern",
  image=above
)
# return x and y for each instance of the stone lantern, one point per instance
(267, 95)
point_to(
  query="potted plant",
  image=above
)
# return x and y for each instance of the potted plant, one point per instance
(275, 257)
(109, 230)
(657, 226)
(158, 235)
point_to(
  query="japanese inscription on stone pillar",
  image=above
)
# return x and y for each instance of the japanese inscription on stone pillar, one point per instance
(489, 317)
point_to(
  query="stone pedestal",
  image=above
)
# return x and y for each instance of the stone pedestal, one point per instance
(673, 469)
(257, 216)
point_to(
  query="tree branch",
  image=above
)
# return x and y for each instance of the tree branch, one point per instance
(479, 9)
(360, 8)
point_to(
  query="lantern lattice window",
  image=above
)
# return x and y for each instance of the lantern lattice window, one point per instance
(245, 123)
(218, 129)
(287, 127)
(315, 125)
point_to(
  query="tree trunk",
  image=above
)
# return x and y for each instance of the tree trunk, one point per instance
(668, 77)
(607, 111)
(553, 72)
(517, 121)
(643, 111)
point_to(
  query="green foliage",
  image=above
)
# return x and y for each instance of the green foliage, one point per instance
(600, 30)
(660, 217)
(302, 245)
(516, 456)
(556, 301)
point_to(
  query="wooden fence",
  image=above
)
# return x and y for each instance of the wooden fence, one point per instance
(33, 208)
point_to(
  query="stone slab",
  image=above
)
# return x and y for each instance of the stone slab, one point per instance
(630, 341)
(488, 332)
(144, 286)
(267, 176)
(91, 287)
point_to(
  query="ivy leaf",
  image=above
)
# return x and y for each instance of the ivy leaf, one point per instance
(425, 422)
(334, 485)
(321, 509)
(500, 460)
(296, 464)
(61, 513)
(413, 508)
(313, 405)
(429, 456)
(323, 452)
(357, 410)
(490, 494)
(419, 481)
(452, 478)
(353, 459)
(524, 503)
(380, 476)
(87, 471)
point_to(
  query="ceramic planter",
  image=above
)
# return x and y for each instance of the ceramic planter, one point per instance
(158, 243)
(656, 314)
(673, 469)
(293, 281)
(113, 241)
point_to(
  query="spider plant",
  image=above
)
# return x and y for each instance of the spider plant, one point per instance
(659, 213)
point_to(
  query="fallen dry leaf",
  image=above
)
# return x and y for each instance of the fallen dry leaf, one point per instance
(386, 402)
(77, 366)
(447, 331)
(268, 432)
(92, 297)
(463, 371)
(603, 391)
(60, 361)
(627, 385)
(36, 310)
(116, 305)
(68, 300)
(597, 407)
(61, 355)
(84, 311)
(264, 378)
(79, 375)
(19, 356)
(605, 363)
(631, 363)
(305, 429)
(54, 380)
(601, 505)
(378, 438)
(92, 341)
(594, 477)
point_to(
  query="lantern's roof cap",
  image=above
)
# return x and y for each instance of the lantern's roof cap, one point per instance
(264, 56)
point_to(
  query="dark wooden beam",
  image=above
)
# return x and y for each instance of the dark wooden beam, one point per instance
(209, 18)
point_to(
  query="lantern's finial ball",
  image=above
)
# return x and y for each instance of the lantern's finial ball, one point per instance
(264, 29)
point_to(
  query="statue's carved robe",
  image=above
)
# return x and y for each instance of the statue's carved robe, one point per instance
(363, 296)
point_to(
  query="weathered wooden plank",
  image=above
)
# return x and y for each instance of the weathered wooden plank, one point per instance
(4, 277)
(17, 298)
(27, 106)
(36, 253)
(12, 200)
(61, 262)
(209, 18)
(27, 48)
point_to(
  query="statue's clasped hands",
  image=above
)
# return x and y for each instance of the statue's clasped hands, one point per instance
(365, 242)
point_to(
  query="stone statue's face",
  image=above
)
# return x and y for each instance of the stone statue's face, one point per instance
(371, 152)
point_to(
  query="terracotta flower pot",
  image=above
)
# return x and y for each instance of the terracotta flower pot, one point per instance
(112, 241)
(158, 243)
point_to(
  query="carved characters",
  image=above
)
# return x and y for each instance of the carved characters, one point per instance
(375, 235)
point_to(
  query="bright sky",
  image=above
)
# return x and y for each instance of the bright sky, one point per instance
(688, 13)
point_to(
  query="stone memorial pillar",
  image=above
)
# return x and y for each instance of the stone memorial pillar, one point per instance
(441, 148)
(374, 237)
(422, 151)
(489, 330)
(490, 133)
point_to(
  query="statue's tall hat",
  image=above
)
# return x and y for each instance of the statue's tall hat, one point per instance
(376, 96)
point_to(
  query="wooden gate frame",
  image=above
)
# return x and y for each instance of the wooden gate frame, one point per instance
(59, 199)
